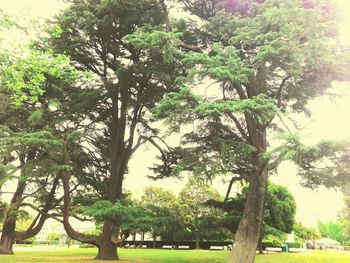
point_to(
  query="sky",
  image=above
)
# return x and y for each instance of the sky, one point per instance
(330, 120)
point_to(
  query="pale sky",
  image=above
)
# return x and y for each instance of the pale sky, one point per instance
(329, 120)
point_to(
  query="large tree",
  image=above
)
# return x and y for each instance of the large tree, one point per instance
(197, 216)
(27, 145)
(259, 61)
(280, 208)
(160, 206)
(124, 48)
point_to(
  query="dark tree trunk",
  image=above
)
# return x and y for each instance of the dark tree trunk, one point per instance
(197, 240)
(7, 238)
(154, 241)
(119, 160)
(107, 251)
(9, 226)
(72, 233)
(248, 232)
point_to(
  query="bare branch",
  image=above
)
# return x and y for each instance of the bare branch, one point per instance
(279, 94)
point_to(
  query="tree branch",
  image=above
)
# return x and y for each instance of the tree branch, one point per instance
(279, 94)
(233, 179)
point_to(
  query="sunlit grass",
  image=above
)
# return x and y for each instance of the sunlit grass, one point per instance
(169, 256)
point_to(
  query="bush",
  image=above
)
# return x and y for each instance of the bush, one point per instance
(40, 242)
(272, 241)
(84, 245)
(295, 245)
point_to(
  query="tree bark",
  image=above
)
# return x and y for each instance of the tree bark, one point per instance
(7, 240)
(197, 240)
(248, 232)
(9, 233)
(86, 238)
(154, 241)
(9, 226)
(107, 250)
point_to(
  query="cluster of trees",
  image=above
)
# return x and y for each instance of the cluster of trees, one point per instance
(200, 213)
(84, 98)
(185, 217)
(339, 229)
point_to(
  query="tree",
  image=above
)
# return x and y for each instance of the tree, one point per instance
(280, 208)
(335, 230)
(261, 60)
(53, 237)
(123, 46)
(197, 216)
(161, 209)
(305, 233)
(27, 144)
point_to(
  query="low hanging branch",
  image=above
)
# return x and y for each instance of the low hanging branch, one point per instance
(87, 238)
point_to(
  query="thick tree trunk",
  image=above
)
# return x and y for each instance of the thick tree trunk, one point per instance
(7, 238)
(107, 250)
(9, 226)
(248, 232)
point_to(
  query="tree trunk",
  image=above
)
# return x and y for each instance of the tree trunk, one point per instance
(107, 251)
(9, 226)
(7, 238)
(197, 240)
(154, 241)
(248, 232)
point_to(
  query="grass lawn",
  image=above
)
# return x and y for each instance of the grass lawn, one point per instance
(169, 256)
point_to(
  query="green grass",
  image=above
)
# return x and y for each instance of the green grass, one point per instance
(169, 256)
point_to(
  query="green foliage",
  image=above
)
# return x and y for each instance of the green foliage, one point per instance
(161, 213)
(260, 106)
(260, 59)
(24, 77)
(86, 246)
(225, 65)
(200, 218)
(280, 209)
(158, 43)
(305, 234)
(105, 210)
(295, 245)
(53, 237)
(335, 230)
(334, 168)
(271, 240)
